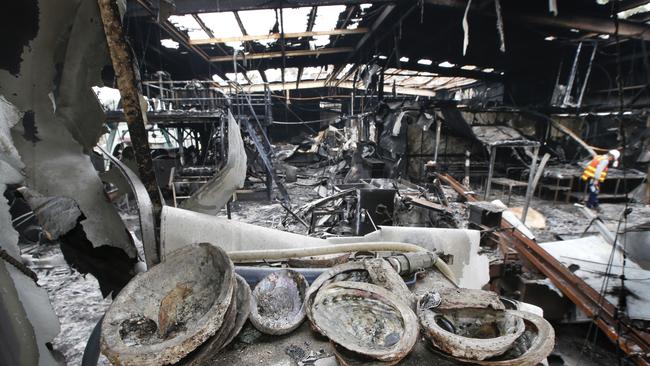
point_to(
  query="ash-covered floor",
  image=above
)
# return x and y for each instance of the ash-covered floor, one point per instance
(78, 302)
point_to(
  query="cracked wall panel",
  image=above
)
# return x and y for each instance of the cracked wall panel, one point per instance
(214, 195)
(76, 104)
(56, 165)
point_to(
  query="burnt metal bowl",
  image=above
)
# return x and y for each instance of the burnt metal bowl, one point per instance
(167, 312)
(471, 333)
(278, 302)
(365, 319)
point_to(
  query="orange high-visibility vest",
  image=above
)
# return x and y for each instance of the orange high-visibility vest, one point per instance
(590, 170)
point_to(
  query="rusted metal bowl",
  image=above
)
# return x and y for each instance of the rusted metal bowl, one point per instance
(471, 333)
(234, 320)
(278, 302)
(530, 349)
(167, 312)
(244, 295)
(365, 319)
(375, 271)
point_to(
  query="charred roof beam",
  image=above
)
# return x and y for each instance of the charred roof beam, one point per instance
(281, 54)
(177, 35)
(626, 29)
(247, 37)
(211, 6)
(387, 10)
(311, 20)
(349, 11)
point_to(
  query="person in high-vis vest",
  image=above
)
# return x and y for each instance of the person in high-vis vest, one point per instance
(596, 172)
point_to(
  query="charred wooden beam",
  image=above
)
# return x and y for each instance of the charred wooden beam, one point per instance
(203, 26)
(247, 38)
(210, 34)
(211, 6)
(126, 81)
(241, 25)
(349, 11)
(311, 20)
(387, 10)
(626, 29)
(179, 36)
(277, 54)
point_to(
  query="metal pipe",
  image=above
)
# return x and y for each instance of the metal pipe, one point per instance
(530, 189)
(572, 76)
(438, 128)
(488, 185)
(467, 162)
(276, 254)
(599, 224)
(584, 83)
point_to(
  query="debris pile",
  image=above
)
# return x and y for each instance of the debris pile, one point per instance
(364, 307)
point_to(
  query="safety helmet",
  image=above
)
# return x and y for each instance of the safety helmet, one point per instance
(615, 153)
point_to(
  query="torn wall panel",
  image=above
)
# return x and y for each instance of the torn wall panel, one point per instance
(55, 162)
(27, 321)
(214, 195)
(10, 166)
(77, 106)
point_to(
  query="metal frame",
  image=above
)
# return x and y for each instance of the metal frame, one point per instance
(145, 211)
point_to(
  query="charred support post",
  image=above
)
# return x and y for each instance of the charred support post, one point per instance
(647, 179)
(488, 184)
(126, 82)
(533, 178)
(438, 127)
(467, 160)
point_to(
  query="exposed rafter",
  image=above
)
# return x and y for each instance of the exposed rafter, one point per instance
(311, 84)
(205, 28)
(349, 11)
(207, 31)
(276, 54)
(312, 18)
(387, 10)
(246, 38)
(210, 6)
(240, 23)
(173, 32)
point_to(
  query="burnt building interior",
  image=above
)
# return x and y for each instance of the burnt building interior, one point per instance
(336, 182)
